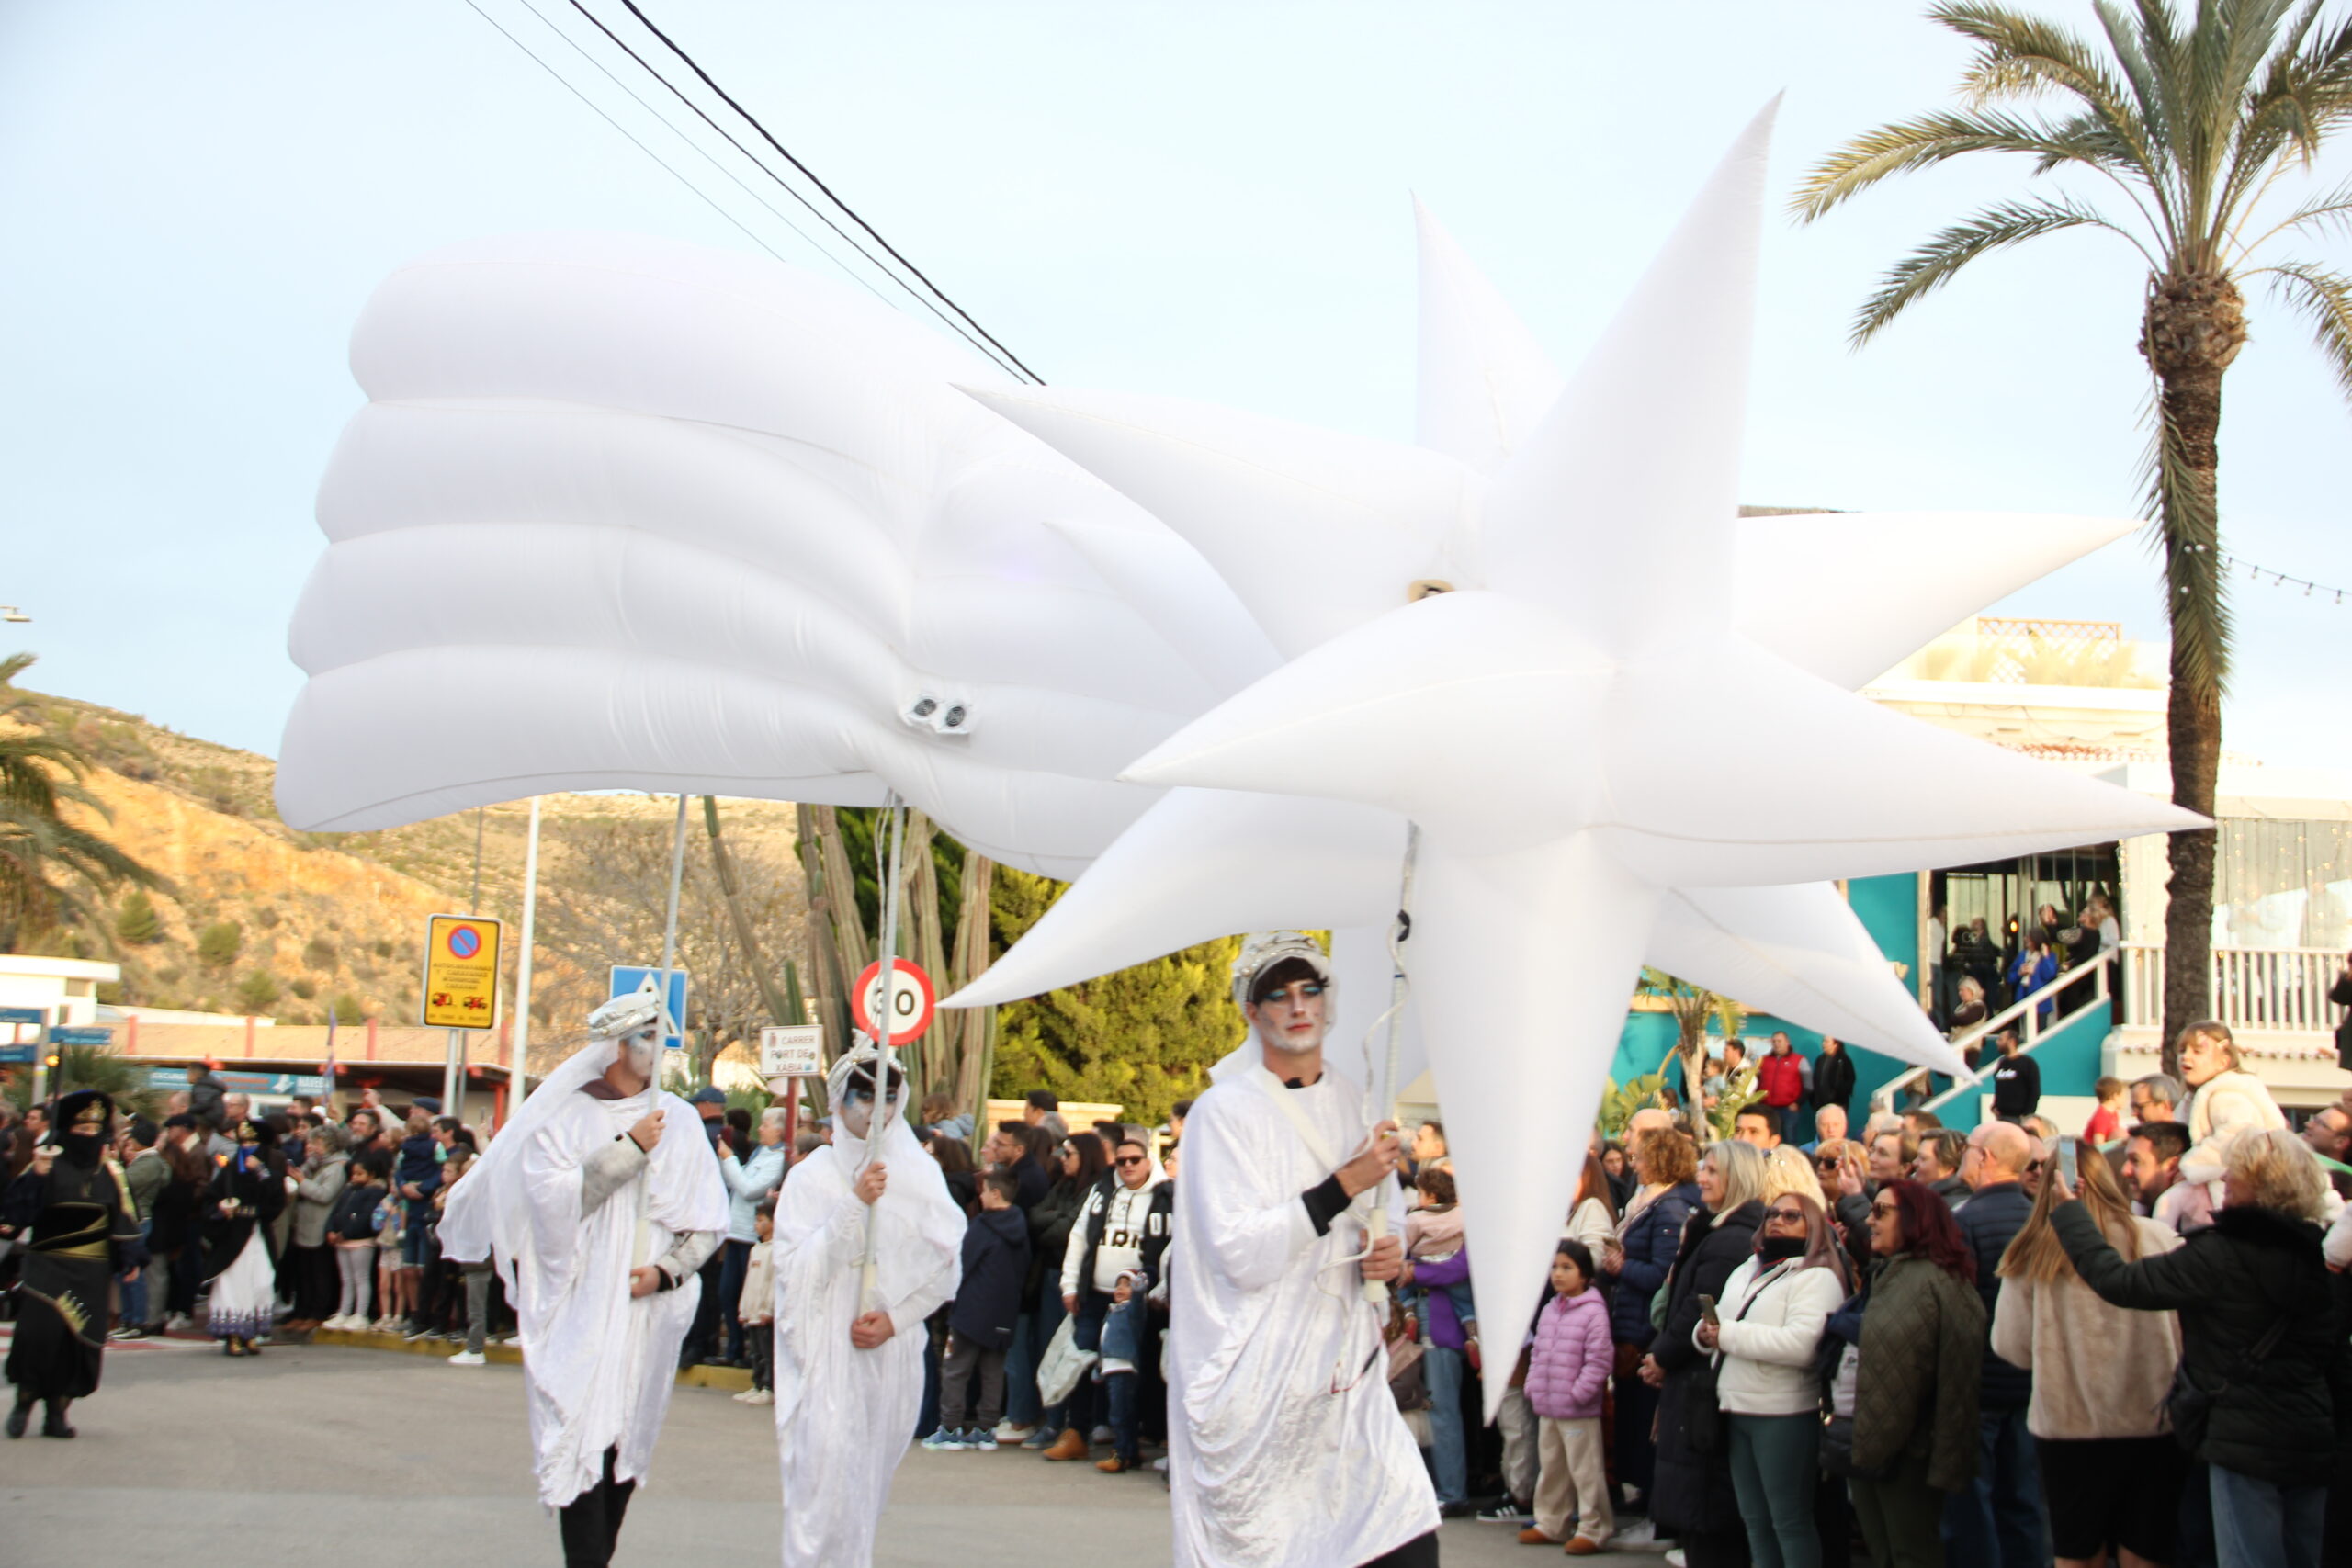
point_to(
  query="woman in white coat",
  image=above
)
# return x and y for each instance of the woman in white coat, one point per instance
(1767, 1335)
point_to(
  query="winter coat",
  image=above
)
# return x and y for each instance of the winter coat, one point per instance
(1651, 1239)
(1159, 1197)
(314, 1199)
(1988, 1222)
(419, 1166)
(1049, 1227)
(748, 1181)
(996, 1265)
(2281, 1420)
(204, 1097)
(1567, 1367)
(2016, 1086)
(2100, 1371)
(1772, 1321)
(1915, 1389)
(1445, 1324)
(1833, 1077)
(757, 1302)
(1780, 1077)
(1693, 1490)
(2226, 1104)
(2341, 995)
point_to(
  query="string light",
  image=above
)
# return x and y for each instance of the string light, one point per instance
(2282, 580)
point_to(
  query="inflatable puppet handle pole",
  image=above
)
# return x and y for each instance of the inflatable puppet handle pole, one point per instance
(868, 1293)
(1376, 1291)
(641, 1241)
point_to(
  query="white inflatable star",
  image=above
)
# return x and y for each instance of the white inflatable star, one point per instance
(1565, 723)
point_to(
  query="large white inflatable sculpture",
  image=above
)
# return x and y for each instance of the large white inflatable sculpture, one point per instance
(1597, 714)
(628, 514)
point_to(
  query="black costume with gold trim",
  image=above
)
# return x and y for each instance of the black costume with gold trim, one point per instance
(80, 1232)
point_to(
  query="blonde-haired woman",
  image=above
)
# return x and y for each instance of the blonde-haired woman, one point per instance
(2259, 1339)
(2110, 1469)
(1694, 1499)
(2226, 1100)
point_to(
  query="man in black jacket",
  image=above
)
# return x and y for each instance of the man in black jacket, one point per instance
(2017, 1081)
(1832, 1075)
(1997, 1520)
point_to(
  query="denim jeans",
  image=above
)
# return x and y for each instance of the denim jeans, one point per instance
(2260, 1523)
(1086, 1408)
(1773, 1461)
(1997, 1521)
(736, 1261)
(134, 1292)
(1449, 1450)
(1119, 1389)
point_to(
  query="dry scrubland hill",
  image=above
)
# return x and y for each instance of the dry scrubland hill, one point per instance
(267, 919)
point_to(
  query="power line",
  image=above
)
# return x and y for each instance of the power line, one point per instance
(753, 120)
(990, 348)
(635, 140)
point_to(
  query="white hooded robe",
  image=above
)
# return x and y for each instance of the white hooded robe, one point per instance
(599, 1365)
(844, 1416)
(1285, 1448)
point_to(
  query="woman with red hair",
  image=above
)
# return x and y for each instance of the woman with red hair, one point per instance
(1909, 1381)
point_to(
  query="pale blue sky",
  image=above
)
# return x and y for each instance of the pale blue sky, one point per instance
(1207, 201)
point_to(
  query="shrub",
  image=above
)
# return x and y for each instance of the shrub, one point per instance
(348, 1011)
(383, 947)
(257, 992)
(305, 988)
(319, 953)
(136, 923)
(218, 943)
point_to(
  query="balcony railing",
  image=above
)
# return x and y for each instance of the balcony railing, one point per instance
(2281, 989)
(2077, 991)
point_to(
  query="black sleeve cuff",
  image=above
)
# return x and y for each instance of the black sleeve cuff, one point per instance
(1326, 1202)
(662, 1281)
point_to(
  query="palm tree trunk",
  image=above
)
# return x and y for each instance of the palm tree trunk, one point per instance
(2194, 327)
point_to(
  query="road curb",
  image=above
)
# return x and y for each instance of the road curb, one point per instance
(733, 1378)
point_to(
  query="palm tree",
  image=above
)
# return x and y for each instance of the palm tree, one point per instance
(47, 863)
(2186, 125)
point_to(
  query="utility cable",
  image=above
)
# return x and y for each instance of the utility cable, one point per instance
(753, 120)
(639, 144)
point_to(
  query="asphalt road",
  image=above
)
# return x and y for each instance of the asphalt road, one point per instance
(391, 1460)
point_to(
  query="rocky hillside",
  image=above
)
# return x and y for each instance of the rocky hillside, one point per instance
(265, 919)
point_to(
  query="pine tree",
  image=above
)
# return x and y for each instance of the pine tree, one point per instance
(136, 923)
(1143, 1038)
(218, 943)
(257, 992)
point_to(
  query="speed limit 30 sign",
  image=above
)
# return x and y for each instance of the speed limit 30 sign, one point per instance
(911, 1001)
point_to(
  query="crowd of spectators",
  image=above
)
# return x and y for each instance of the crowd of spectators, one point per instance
(2002, 1347)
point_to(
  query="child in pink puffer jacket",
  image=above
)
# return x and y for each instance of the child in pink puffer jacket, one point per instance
(1567, 1369)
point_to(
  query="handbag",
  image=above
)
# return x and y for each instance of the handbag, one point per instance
(2190, 1408)
(1063, 1363)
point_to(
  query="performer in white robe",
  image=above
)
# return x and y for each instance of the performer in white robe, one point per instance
(1285, 1448)
(849, 1350)
(598, 1218)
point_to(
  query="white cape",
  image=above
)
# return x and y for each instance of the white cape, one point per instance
(598, 1364)
(844, 1416)
(1284, 1446)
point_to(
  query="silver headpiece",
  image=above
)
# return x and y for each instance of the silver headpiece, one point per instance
(625, 1015)
(1261, 949)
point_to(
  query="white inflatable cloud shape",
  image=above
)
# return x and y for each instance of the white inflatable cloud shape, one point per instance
(627, 513)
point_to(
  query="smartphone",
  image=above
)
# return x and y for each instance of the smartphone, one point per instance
(1707, 1308)
(2067, 1159)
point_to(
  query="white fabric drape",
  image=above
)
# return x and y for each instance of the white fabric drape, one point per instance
(844, 1416)
(599, 1365)
(1285, 1448)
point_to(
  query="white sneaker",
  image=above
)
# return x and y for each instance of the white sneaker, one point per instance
(760, 1396)
(1102, 1435)
(178, 1321)
(1674, 1557)
(1640, 1532)
(744, 1397)
(388, 1325)
(1008, 1431)
(468, 1359)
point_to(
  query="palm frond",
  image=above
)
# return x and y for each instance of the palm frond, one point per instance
(2323, 297)
(1922, 143)
(2020, 54)
(1936, 263)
